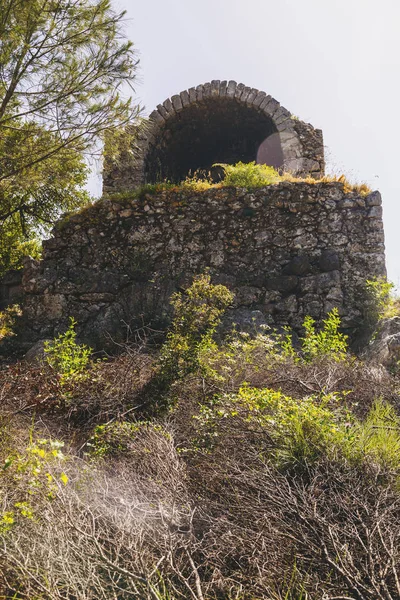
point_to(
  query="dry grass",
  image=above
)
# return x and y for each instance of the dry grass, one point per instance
(110, 389)
(156, 524)
(362, 189)
(253, 178)
(164, 517)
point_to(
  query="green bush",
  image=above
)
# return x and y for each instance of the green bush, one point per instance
(328, 341)
(380, 302)
(68, 358)
(302, 430)
(26, 477)
(248, 175)
(7, 320)
(295, 432)
(292, 432)
(197, 314)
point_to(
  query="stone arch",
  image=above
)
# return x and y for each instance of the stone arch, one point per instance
(219, 121)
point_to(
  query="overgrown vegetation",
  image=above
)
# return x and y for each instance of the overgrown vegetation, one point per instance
(66, 357)
(381, 302)
(196, 317)
(242, 175)
(249, 175)
(329, 341)
(264, 467)
(7, 320)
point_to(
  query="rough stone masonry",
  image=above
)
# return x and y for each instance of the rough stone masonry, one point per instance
(287, 250)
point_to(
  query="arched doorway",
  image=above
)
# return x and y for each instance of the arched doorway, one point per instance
(215, 130)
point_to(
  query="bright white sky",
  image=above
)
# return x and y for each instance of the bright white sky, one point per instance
(333, 63)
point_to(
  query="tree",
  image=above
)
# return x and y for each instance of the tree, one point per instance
(63, 65)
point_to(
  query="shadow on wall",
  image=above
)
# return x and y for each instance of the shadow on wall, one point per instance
(11, 288)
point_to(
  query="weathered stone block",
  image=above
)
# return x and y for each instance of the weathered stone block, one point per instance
(299, 265)
(329, 260)
(284, 283)
(374, 199)
(177, 103)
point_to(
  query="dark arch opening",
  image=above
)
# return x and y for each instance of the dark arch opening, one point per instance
(216, 130)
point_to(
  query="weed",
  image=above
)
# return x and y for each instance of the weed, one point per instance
(28, 474)
(197, 313)
(68, 358)
(377, 438)
(381, 302)
(248, 175)
(328, 341)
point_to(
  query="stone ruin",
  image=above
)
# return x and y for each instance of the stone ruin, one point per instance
(288, 250)
(218, 122)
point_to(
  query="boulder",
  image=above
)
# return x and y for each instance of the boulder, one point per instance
(36, 354)
(384, 347)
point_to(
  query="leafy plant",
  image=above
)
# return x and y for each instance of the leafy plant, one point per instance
(27, 475)
(197, 313)
(377, 438)
(381, 302)
(301, 429)
(7, 320)
(68, 358)
(248, 175)
(328, 341)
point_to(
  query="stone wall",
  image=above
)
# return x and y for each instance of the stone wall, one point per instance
(287, 250)
(220, 121)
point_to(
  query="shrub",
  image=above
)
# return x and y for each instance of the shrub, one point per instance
(197, 314)
(380, 301)
(68, 358)
(295, 432)
(7, 320)
(248, 175)
(328, 341)
(301, 430)
(26, 477)
(115, 532)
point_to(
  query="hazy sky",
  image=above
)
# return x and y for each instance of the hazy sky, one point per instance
(333, 63)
